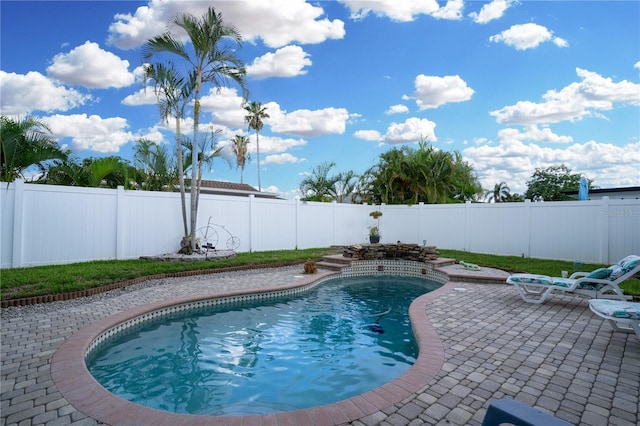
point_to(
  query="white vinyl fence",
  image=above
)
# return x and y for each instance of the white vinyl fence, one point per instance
(43, 224)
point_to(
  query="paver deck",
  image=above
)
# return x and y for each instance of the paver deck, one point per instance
(557, 356)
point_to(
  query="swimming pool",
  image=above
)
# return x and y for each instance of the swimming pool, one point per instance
(340, 339)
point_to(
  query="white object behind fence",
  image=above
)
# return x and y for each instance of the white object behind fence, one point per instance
(43, 224)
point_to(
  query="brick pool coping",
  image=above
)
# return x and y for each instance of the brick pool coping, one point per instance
(83, 392)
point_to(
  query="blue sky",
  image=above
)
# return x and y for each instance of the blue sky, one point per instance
(512, 86)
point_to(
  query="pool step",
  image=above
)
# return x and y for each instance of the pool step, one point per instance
(334, 262)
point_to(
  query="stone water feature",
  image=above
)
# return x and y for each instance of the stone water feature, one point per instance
(398, 250)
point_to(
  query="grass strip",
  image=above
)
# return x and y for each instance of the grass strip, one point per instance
(18, 283)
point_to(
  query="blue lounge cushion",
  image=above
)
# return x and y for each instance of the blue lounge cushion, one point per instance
(616, 272)
(600, 274)
(539, 279)
(629, 262)
(617, 309)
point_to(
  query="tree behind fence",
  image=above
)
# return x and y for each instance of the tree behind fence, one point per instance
(43, 224)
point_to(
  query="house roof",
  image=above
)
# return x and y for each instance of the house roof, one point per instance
(596, 193)
(230, 188)
(606, 190)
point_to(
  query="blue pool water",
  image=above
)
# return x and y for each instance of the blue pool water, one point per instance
(337, 340)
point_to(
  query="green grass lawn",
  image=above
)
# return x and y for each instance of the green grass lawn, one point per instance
(55, 279)
(552, 268)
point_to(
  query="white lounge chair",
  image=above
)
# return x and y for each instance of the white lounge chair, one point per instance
(623, 316)
(602, 283)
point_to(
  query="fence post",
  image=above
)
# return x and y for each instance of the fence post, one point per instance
(420, 224)
(604, 232)
(297, 219)
(467, 225)
(527, 231)
(333, 222)
(18, 223)
(120, 223)
(252, 199)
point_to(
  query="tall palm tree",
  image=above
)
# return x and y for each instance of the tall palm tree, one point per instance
(500, 193)
(239, 146)
(24, 143)
(213, 59)
(256, 112)
(174, 93)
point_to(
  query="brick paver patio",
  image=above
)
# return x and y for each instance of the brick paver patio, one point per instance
(557, 356)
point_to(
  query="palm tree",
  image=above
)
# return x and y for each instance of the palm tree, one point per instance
(256, 112)
(208, 150)
(24, 143)
(173, 92)
(158, 170)
(500, 193)
(345, 184)
(319, 186)
(239, 146)
(108, 172)
(213, 59)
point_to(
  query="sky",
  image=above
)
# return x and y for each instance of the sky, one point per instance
(513, 86)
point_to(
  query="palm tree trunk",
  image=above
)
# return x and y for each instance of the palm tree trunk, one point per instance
(258, 154)
(194, 162)
(181, 177)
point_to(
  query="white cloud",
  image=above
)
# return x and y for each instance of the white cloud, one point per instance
(307, 123)
(105, 135)
(368, 135)
(277, 22)
(90, 66)
(593, 93)
(288, 61)
(560, 42)
(526, 36)
(225, 105)
(433, 91)
(412, 130)
(144, 96)
(491, 11)
(281, 159)
(533, 133)
(514, 162)
(452, 10)
(22, 94)
(397, 109)
(130, 31)
(271, 144)
(637, 65)
(403, 11)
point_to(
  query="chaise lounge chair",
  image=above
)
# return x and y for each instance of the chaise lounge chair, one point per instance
(602, 283)
(623, 316)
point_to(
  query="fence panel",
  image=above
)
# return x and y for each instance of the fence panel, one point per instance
(315, 223)
(622, 228)
(44, 224)
(150, 223)
(273, 224)
(566, 230)
(498, 228)
(443, 225)
(64, 226)
(230, 217)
